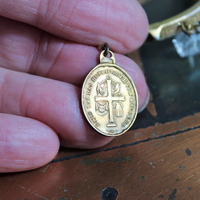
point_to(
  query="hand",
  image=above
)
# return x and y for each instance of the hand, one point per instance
(46, 50)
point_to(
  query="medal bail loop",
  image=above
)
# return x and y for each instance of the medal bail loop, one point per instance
(104, 59)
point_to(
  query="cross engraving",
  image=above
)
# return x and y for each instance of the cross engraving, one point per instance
(110, 99)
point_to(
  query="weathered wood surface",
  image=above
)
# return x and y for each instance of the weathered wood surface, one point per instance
(158, 159)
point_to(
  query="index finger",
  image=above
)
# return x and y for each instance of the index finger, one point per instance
(121, 23)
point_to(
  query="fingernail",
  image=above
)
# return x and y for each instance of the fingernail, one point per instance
(145, 103)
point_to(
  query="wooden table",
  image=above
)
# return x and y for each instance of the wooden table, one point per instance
(158, 159)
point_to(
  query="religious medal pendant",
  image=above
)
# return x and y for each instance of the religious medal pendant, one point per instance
(109, 97)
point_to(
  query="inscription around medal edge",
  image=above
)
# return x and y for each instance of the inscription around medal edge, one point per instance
(87, 96)
(93, 119)
(119, 74)
(130, 113)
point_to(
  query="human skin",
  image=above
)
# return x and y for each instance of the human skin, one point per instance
(47, 47)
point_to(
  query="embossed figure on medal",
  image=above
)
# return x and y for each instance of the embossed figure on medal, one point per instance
(109, 97)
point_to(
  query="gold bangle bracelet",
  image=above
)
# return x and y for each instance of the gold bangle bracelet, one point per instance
(187, 21)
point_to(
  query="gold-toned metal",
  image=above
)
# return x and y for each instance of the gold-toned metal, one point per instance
(190, 28)
(170, 27)
(109, 98)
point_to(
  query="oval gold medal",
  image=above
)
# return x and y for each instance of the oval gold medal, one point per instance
(109, 98)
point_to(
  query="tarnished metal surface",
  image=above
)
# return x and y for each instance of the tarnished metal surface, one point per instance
(109, 98)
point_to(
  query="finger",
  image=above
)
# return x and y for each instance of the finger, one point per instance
(55, 58)
(123, 24)
(28, 49)
(25, 143)
(54, 103)
(71, 63)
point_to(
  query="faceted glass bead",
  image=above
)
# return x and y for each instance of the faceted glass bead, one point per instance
(187, 45)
